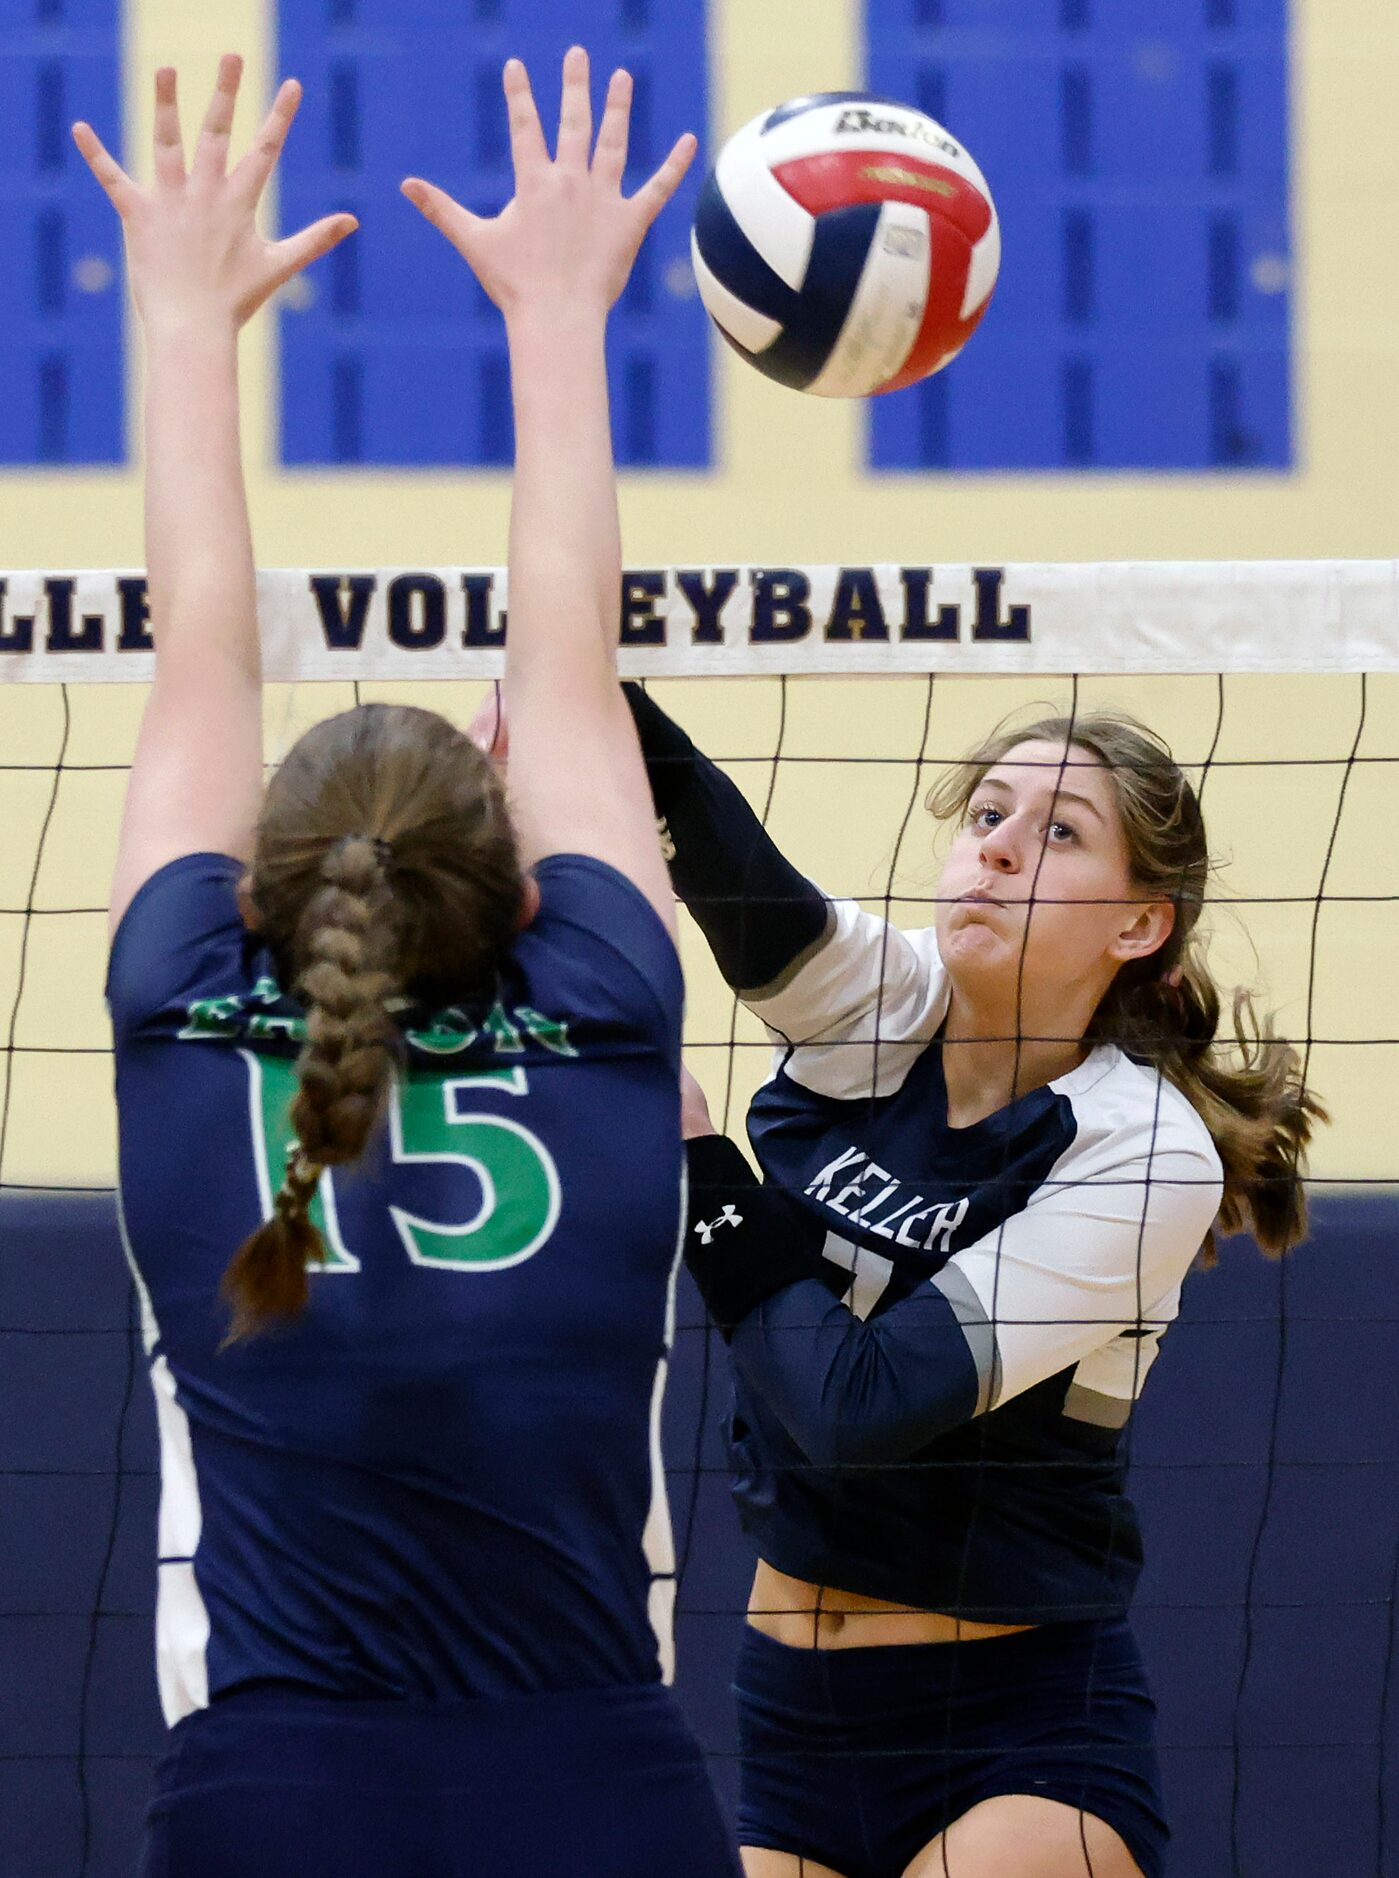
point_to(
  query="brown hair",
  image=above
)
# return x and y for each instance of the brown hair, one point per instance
(1250, 1092)
(385, 866)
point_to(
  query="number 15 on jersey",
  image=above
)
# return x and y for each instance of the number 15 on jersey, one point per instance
(429, 1123)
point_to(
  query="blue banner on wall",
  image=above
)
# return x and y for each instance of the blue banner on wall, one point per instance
(62, 389)
(1138, 152)
(391, 354)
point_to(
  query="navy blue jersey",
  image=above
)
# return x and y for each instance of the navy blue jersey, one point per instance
(443, 1481)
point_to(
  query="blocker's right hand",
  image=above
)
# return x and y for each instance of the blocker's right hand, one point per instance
(193, 247)
(568, 237)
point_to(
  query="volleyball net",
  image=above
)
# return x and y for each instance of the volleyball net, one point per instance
(833, 696)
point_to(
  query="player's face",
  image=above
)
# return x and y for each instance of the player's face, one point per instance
(1039, 870)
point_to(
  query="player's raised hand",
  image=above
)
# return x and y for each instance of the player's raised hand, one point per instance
(694, 1107)
(192, 242)
(569, 236)
(488, 729)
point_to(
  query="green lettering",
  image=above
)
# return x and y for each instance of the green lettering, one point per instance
(550, 1031)
(212, 1017)
(447, 1033)
(264, 1024)
(503, 1034)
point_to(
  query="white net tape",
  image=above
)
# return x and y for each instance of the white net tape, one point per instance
(706, 621)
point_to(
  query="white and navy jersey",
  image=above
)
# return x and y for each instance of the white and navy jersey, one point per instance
(936, 1419)
(1003, 1292)
(443, 1481)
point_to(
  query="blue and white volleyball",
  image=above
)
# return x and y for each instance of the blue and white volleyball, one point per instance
(846, 244)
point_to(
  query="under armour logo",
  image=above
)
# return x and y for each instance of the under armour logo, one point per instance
(706, 1228)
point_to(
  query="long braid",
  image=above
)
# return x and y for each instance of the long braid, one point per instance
(348, 940)
(385, 866)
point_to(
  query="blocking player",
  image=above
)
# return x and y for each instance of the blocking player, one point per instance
(406, 1304)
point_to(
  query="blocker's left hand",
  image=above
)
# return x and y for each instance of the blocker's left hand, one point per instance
(196, 256)
(488, 729)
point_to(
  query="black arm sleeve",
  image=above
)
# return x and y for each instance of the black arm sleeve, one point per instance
(744, 1239)
(848, 1392)
(758, 912)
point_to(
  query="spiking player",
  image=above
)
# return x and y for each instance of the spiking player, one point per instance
(993, 1150)
(408, 1503)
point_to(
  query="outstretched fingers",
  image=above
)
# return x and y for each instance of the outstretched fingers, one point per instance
(255, 170)
(169, 145)
(575, 111)
(446, 214)
(298, 251)
(211, 153)
(654, 194)
(528, 150)
(120, 189)
(610, 157)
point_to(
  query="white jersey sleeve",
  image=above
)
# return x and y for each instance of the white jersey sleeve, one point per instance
(1084, 1279)
(1089, 1272)
(866, 991)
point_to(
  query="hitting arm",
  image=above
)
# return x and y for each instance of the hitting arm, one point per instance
(1058, 1281)
(760, 914)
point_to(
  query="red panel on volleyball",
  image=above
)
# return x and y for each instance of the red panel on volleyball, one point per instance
(943, 331)
(839, 179)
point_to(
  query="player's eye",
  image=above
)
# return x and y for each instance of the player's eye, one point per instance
(984, 815)
(1062, 833)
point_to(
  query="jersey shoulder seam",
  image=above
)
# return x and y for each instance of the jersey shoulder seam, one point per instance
(1154, 1104)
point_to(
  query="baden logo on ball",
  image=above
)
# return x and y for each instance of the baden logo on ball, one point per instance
(846, 244)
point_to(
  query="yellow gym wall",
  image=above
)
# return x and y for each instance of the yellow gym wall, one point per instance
(790, 487)
(790, 482)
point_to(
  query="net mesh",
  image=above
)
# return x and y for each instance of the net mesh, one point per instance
(1300, 788)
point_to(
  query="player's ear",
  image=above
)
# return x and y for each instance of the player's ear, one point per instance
(247, 906)
(1146, 932)
(529, 903)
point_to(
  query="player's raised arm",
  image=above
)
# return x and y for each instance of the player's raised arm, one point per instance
(554, 262)
(199, 271)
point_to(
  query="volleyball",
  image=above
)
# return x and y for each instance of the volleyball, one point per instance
(846, 244)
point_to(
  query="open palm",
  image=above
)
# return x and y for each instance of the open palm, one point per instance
(568, 235)
(194, 250)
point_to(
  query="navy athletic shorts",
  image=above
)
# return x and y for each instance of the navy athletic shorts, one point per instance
(858, 1758)
(277, 1782)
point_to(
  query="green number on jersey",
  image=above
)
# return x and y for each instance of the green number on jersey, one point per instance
(273, 1089)
(520, 1192)
(519, 1182)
